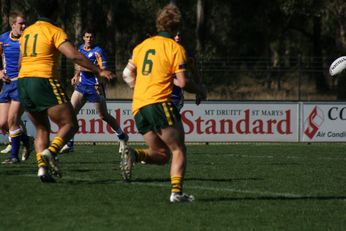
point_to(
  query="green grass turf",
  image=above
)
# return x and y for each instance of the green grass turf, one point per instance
(237, 187)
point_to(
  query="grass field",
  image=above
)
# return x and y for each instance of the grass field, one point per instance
(237, 187)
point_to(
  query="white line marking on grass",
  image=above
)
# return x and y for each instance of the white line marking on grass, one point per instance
(267, 193)
(271, 157)
(256, 192)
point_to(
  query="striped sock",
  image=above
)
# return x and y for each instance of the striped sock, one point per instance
(40, 162)
(16, 137)
(177, 184)
(141, 154)
(56, 145)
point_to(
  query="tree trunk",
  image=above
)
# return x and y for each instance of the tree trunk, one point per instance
(200, 26)
(338, 9)
(342, 34)
(5, 10)
(62, 23)
(77, 23)
(109, 43)
(317, 74)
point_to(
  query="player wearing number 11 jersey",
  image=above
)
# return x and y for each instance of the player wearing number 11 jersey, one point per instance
(39, 86)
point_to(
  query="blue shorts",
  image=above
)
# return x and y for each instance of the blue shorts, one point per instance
(92, 93)
(9, 92)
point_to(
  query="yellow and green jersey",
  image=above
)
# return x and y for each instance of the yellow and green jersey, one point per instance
(39, 50)
(156, 60)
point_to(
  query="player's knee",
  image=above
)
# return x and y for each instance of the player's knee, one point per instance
(12, 122)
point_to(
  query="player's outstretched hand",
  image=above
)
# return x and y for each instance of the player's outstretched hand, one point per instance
(75, 80)
(107, 74)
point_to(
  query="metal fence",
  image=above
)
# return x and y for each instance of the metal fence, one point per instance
(259, 78)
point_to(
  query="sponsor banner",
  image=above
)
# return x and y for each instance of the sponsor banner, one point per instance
(208, 122)
(252, 121)
(219, 121)
(323, 122)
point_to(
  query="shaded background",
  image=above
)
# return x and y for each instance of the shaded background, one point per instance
(246, 50)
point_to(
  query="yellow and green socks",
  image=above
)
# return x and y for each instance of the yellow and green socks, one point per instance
(54, 148)
(176, 184)
(141, 154)
(56, 145)
(40, 162)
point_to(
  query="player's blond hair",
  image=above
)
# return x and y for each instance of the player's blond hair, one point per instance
(12, 18)
(168, 19)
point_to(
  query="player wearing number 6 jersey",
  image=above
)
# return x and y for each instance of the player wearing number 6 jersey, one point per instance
(150, 71)
(39, 86)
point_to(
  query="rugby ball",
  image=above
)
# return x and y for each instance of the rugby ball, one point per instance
(337, 66)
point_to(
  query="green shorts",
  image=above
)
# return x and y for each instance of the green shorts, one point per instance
(38, 94)
(156, 116)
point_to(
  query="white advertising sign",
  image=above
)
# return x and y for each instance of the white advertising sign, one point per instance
(253, 121)
(219, 121)
(208, 122)
(324, 122)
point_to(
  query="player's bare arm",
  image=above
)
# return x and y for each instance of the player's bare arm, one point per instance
(3, 77)
(75, 78)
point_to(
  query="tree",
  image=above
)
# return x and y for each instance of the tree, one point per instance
(77, 25)
(200, 25)
(337, 9)
(5, 10)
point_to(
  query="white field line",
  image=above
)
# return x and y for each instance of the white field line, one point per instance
(215, 189)
(272, 157)
(256, 192)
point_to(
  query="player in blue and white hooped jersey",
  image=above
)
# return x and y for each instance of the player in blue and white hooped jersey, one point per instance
(10, 106)
(88, 89)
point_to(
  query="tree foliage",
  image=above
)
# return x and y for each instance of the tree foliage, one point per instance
(256, 38)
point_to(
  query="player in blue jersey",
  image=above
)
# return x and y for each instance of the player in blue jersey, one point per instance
(10, 106)
(88, 89)
(178, 93)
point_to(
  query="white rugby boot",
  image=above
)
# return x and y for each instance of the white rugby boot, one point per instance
(181, 197)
